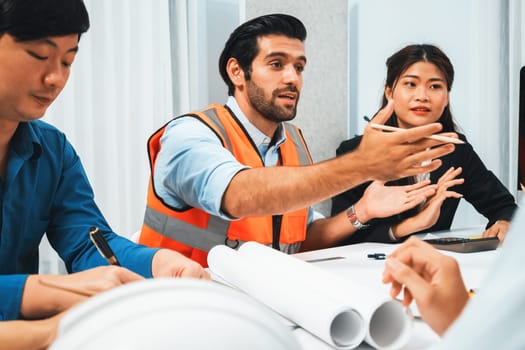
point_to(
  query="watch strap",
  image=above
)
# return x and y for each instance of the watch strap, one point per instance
(352, 217)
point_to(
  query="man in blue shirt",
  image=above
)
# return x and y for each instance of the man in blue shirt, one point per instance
(43, 186)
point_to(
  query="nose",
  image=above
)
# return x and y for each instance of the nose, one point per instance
(290, 75)
(56, 76)
(421, 94)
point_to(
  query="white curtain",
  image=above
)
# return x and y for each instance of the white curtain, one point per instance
(119, 92)
(199, 29)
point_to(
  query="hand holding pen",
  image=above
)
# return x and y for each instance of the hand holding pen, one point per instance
(102, 246)
(436, 137)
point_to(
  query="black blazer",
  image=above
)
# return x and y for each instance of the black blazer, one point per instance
(481, 188)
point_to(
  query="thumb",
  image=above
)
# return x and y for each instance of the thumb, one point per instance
(382, 116)
(379, 182)
(127, 276)
(406, 276)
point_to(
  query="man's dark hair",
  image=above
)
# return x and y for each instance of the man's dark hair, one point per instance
(242, 43)
(36, 19)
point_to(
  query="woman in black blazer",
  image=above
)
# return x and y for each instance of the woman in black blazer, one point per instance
(419, 79)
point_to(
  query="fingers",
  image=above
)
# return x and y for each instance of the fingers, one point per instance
(412, 168)
(420, 157)
(450, 174)
(197, 272)
(414, 242)
(449, 183)
(127, 276)
(382, 116)
(407, 296)
(418, 133)
(413, 283)
(417, 186)
(378, 183)
(169, 263)
(502, 235)
(490, 232)
(425, 191)
(413, 201)
(498, 229)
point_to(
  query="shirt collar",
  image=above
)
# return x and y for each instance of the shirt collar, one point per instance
(25, 142)
(257, 136)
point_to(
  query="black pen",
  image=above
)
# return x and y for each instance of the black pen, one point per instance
(102, 246)
(377, 256)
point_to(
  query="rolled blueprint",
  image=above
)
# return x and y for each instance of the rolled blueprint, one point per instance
(388, 324)
(290, 291)
(340, 311)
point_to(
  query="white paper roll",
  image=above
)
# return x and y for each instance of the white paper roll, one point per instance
(341, 312)
(388, 324)
(286, 285)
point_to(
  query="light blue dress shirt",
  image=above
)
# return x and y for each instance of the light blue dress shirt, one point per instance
(194, 169)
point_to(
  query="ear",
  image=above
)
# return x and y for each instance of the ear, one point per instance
(235, 72)
(388, 93)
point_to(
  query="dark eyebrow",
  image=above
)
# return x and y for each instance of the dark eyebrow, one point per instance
(51, 43)
(284, 55)
(417, 77)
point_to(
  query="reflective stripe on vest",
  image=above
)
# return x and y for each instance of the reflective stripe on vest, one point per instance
(203, 239)
(304, 158)
(210, 113)
(197, 237)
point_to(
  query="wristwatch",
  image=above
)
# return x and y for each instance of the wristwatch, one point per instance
(352, 216)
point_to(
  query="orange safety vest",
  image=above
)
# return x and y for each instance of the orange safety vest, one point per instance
(192, 231)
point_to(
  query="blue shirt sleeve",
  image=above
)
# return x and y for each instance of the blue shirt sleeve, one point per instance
(204, 168)
(11, 288)
(75, 212)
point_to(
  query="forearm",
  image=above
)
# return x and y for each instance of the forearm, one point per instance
(28, 335)
(276, 190)
(329, 232)
(326, 233)
(408, 226)
(39, 301)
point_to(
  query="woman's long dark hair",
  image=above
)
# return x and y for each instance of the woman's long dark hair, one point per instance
(399, 62)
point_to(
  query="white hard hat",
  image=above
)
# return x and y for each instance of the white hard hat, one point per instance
(172, 314)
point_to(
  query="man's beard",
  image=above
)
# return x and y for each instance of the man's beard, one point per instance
(268, 109)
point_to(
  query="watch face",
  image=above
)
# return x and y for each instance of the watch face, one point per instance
(352, 217)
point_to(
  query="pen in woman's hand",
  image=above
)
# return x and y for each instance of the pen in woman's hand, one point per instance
(102, 246)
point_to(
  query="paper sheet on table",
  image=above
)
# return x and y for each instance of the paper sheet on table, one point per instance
(341, 313)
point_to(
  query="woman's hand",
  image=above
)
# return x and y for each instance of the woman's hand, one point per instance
(430, 278)
(498, 229)
(429, 214)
